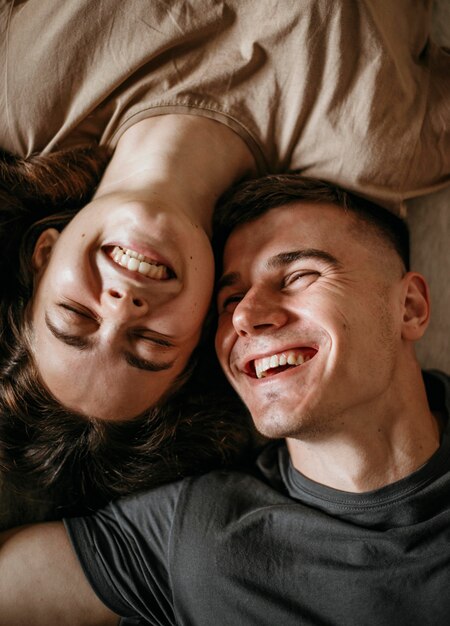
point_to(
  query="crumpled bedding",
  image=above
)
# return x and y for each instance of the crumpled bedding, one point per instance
(353, 92)
(429, 220)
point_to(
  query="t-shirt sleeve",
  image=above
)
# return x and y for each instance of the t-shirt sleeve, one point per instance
(124, 552)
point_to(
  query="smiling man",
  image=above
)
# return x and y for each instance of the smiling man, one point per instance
(346, 517)
(318, 318)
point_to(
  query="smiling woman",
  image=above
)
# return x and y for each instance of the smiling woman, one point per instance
(103, 306)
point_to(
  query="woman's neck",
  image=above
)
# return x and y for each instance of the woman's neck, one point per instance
(189, 160)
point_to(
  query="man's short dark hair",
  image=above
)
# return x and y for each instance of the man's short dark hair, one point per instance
(254, 198)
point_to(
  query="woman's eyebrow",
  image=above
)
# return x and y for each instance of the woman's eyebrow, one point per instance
(87, 343)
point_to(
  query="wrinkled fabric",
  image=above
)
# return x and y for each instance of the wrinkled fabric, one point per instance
(351, 92)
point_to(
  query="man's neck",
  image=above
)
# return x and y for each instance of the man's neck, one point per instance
(375, 445)
(187, 160)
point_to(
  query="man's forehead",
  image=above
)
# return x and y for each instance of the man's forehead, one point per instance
(302, 212)
(334, 231)
(298, 223)
(282, 235)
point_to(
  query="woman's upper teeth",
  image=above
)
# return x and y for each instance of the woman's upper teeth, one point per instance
(136, 262)
(290, 357)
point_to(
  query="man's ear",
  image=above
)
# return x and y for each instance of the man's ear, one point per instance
(43, 249)
(416, 311)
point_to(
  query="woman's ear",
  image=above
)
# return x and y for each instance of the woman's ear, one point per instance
(416, 312)
(43, 249)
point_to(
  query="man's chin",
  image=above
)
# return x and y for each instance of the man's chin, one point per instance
(296, 420)
(274, 424)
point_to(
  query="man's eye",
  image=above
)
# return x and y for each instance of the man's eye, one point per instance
(303, 275)
(230, 303)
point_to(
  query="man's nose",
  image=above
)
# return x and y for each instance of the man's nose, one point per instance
(124, 304)
(257, 313)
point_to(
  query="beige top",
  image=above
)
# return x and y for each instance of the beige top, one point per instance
(351, 91)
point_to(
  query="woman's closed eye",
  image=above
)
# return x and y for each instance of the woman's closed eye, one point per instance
(78, 311)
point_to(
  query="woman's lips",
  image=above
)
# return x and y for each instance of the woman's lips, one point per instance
(135, 261)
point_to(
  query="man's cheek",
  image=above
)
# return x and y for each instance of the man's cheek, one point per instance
(223, 344)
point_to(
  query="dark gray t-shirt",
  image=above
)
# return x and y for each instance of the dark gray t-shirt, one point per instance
(277, 548)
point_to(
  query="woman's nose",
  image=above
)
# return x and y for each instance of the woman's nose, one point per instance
(124, 303)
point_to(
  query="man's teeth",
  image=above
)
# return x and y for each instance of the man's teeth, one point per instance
(139, 263)
(291, 357)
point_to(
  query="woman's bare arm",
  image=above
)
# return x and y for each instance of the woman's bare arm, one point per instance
(41, 581)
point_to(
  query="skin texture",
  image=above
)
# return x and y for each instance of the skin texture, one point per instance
(355, 415)
(152, 200)
(42, 582)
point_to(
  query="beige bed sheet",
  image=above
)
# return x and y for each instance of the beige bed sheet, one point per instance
(429, 219)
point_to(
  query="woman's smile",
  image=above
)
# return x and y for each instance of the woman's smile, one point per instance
(136, 262)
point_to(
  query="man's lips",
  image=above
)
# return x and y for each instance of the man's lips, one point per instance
(273, 364)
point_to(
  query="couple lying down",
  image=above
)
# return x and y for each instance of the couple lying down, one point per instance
(344, 518)
(96, 343)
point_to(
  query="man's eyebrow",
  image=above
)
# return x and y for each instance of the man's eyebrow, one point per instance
(86, 343)
(285, 258)
(280, 260)
(227, 280)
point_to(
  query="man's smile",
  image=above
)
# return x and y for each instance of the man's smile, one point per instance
(278, 362)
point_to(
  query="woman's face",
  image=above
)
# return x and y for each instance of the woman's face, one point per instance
(111, 332)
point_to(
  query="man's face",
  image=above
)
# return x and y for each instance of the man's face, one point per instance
(310, 313)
